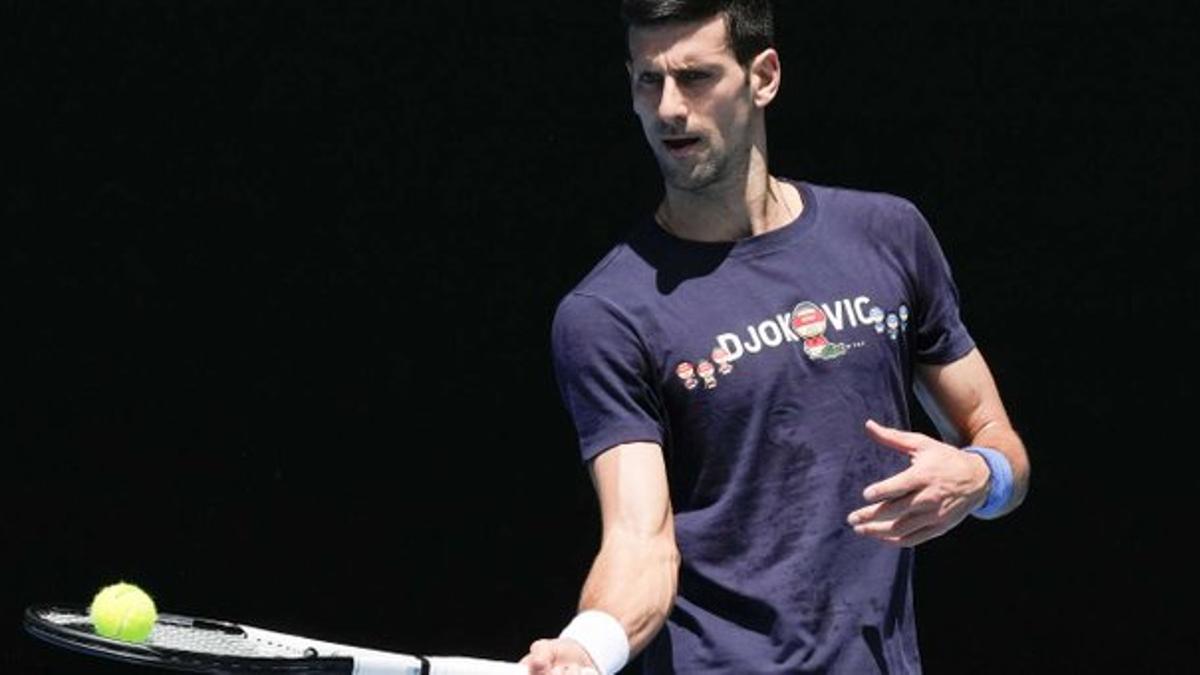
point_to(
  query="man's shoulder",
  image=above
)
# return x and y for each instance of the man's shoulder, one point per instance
(857, 202)
(607, 296)
(850, 215)
(619, 273)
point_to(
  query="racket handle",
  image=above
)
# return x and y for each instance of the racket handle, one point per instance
(461, 665)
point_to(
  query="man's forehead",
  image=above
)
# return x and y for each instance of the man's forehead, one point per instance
(681, 43)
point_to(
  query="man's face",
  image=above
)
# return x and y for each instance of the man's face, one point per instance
(693, 99)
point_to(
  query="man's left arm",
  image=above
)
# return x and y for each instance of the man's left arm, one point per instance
(944, 484)
(963, 401)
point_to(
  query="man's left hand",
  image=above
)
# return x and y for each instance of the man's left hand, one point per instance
(926, 500)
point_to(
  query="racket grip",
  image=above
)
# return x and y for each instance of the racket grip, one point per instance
(461, 665)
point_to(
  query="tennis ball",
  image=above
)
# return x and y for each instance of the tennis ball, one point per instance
(123, 612)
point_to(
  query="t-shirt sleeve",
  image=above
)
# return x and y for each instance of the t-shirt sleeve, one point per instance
(941, 336)
(604, 375)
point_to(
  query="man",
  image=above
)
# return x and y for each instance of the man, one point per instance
(738, 371)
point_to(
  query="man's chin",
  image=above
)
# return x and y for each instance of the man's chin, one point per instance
(687, 175)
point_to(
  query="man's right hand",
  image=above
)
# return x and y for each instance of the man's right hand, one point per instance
(561, 656)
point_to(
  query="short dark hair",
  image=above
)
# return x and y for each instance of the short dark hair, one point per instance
(749, 23)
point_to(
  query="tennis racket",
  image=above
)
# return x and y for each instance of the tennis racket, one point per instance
(208, 646)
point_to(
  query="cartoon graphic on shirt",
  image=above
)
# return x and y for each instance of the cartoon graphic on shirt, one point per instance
(877, 317)
(686, 372)
(809, 322)
(708, 373)
(723, 361)
(893, 326)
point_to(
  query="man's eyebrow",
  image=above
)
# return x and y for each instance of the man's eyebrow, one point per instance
(686, 68)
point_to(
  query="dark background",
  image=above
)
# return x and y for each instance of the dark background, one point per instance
(278, 278)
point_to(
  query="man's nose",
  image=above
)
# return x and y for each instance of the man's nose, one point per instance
(672, 105)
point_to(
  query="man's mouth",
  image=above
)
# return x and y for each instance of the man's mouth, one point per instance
(680, 144)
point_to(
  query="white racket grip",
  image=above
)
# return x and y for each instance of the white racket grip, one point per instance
(461, 665)
(368, 663)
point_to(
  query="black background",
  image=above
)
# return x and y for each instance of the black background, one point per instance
(279, 277)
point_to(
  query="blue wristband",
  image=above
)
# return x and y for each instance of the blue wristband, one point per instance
(1000, 486)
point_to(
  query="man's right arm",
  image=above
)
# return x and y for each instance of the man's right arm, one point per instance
(635, 574)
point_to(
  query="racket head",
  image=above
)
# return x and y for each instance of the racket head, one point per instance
(179, 642)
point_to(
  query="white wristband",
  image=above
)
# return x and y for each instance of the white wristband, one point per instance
(602, 637)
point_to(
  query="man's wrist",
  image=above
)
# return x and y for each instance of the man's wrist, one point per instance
(602, 637)
(1000, 482)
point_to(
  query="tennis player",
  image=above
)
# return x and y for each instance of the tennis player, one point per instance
(739, 371)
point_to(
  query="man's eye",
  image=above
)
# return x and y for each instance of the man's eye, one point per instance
(693, 76)
(649, 78)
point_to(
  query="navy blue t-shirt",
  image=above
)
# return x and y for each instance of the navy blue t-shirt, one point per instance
(755, 365)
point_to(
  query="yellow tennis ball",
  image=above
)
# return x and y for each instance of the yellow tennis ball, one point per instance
(123, 612)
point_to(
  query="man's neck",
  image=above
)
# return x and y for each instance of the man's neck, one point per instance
(753, 205)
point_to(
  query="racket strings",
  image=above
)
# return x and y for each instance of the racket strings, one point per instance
(191, 638)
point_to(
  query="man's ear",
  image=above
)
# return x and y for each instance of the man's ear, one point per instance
(765, 74)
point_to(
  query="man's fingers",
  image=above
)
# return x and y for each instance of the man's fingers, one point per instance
(540, 657)
(572, 669)
(886, 510)
(894, 487)
(558, 657)
(535, 666)
(918, 537)
(904, 441)
(897, 528)
(541, 650)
